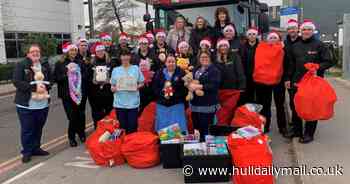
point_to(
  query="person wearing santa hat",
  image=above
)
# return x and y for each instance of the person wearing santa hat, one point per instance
(307, 50)
(264, 93)
(146, 62)
(151, 39)
(184, 57)
(247, 53)
(232, 75)
(230, 34)
(99, 88)
(161, 48)
(200, 31)
(71, 77)
(123, 44)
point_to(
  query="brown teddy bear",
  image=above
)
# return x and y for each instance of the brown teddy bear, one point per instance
(188, 79)
(40, 93)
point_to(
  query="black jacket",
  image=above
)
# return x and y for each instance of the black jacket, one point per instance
(23, 75)
(248, 59)
(288, 45)
(96, 91)
(114, 52)
(155, 66)
(180, 91)
(307, 51)
(196, 37)
(61, 78)
(232, 74)
(210, 80)
(155, 51)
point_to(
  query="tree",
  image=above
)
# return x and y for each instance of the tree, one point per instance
(113, 13)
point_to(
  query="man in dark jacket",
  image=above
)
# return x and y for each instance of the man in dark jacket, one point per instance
(308, 50)
(160, 49)
(247, 53)
(115, 52)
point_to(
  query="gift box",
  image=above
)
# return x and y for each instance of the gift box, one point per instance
(171, 155)
(205, 161)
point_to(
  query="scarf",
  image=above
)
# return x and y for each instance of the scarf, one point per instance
(74, 81)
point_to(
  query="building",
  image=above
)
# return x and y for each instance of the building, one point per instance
(62, 19)
(274, 11)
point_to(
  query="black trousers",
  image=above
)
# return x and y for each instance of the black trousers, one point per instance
(76, 118)
(101, 106)
(32, 124)
(279, 96)
(128, 119)
(249, 94)
(146, 97)
(297, 122)
(201, 122)
(264, 98)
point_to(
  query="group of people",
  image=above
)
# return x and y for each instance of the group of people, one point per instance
(184, 68)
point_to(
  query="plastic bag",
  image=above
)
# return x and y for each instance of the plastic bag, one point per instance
(249, 115)
(228, 101)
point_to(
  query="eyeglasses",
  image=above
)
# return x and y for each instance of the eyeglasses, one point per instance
(34, 51)
(252, 34)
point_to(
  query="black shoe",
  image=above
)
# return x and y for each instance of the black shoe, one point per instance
(40, 152)
(26, 159)
(82, 139)
(73, 143)
(291, 135)
(306, 139)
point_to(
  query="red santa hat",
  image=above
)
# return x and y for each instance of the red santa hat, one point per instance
(105, 37)
(123, 37)
(143, 39)
(160, 33)
(292, 23)
(253, 30)
(99, 46)
(205, 41)
(149, 35)
(273, 34)
(68, 46)
(229, 27)
(308, 24)
(222, 42)
(183, 44)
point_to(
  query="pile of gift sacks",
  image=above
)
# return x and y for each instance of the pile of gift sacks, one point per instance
(109, 146)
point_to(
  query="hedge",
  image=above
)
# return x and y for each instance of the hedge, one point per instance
(6, 71)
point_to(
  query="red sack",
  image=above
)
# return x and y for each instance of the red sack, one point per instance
(108, 152)
(228, 100)
(189, 121)
(113, 114)
(268, 67)
(249, 154)
(243, 117)
(141, 149)
(315, 97)
(148, 118)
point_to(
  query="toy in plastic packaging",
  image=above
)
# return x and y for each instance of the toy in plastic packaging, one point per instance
(248, 132)
(171, 132)
(254, 107)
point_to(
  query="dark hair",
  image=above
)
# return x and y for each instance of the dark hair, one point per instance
(205, 22)
(125, 52)
(222, 10)
(27, 49)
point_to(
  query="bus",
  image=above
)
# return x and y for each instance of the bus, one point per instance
(244, 13)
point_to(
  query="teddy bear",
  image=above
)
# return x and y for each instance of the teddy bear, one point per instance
(184, 64)
(40, 93)
(168, 90)
(162, 55)
(188, 79)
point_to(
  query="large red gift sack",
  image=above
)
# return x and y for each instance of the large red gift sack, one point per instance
(228, 100)
(141, 149)
(244, 117)
(268, 67)
(148, 118)
(250, 154)
(107, 153)
(315, 97)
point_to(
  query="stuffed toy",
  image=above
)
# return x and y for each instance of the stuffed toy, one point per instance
(40, 93)
(168, 90)
(184, 64)
(162, 55)
(101, 75)
(188, 79)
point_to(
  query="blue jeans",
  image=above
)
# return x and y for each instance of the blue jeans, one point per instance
(32, 123)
